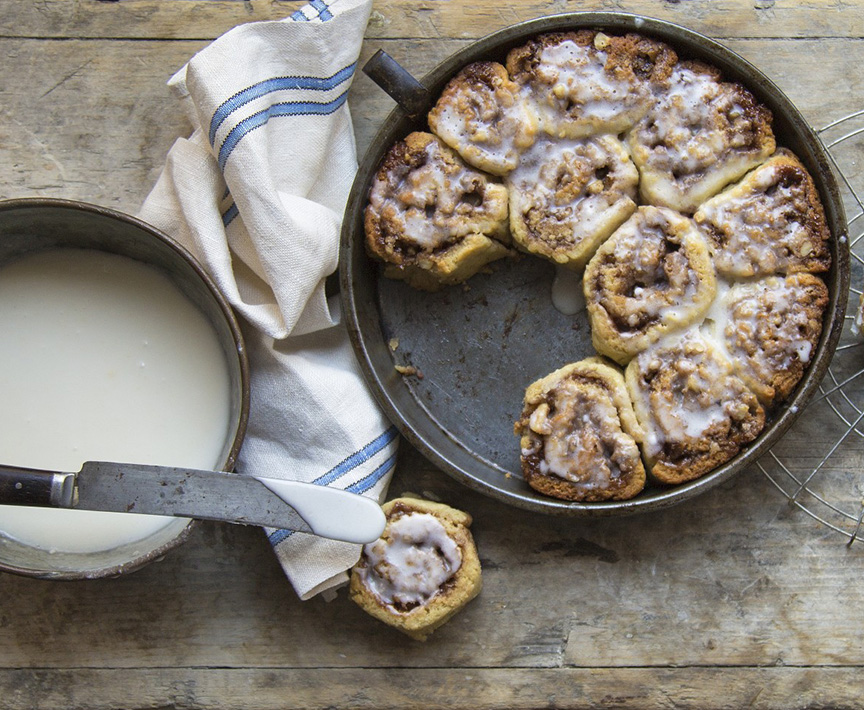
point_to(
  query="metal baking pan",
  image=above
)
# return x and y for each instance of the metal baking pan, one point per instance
(478, 347)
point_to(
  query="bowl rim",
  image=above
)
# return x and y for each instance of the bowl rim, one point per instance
(353, 260)
(231, 321)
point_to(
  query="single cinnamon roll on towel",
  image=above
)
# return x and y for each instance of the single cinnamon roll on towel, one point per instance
(770, 329)
(702, 134)
(652, 276)
(567, 197)
(578, 435)
(421, 571)
(771, 222)
(696, 412)
(483, 117)
(587, 82)
(434, 220)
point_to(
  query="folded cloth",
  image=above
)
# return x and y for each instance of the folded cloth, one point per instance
(256, 193)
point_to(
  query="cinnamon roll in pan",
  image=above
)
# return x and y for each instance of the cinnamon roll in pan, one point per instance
(567, 197)
(482, 115)
(652, 276)
(771, 222)
(696, 412)
(770, 329)
(700, 135)
(587, 82)
(579, 436)
(434, 220)
(421, 571)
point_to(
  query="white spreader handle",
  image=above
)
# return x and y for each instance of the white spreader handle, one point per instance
(331, 512)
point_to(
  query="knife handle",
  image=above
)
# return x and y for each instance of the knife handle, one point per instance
(26, 486)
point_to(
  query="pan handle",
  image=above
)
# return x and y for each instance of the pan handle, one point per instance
(403, 88)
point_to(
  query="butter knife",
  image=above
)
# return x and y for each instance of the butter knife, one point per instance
(191, 493)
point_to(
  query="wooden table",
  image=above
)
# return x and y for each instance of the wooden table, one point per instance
(735, 599)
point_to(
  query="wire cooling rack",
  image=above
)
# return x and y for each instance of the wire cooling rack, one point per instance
(819, 464)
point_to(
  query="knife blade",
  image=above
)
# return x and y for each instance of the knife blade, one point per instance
(192, 493)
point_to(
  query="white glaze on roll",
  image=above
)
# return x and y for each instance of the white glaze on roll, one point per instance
(409, 567)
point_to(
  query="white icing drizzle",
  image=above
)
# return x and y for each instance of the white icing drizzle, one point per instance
(858, 318)
(583, 441)
(678, 124)
(581, 91)
(428, 200)
(764, 325)
(670, 283)
(697, 139)
(713, 326)
(490, 127)
(561, 179)
(568, 297)
(409, 565)
(698, 391)
(762, 223)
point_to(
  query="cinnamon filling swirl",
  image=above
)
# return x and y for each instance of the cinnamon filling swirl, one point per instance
(421, 571)
(701, 135)
(431, 216)
(772, 222)
(579, 433)
(482, 115)
(770, 329)
(567, 197)
(412, 564)
(696, 413)
(586, 82)
(652, 275)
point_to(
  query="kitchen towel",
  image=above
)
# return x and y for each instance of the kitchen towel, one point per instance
(256, 193)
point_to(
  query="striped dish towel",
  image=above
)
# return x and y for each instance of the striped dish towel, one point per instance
(256, 193)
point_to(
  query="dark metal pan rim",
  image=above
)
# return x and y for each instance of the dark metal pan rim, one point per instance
(397, 395)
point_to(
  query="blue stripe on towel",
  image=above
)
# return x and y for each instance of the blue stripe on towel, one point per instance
(364, 484)
(256, 120)
(323, 11)
(278, 536)
(318, 9)
(268, 86)
(229, 214)
(357, 458)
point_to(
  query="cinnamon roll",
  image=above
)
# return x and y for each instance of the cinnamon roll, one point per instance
(483, 117)
(652, 276)
(771, 222)
(578, 435)
(696, 412)
(421, 571)
(701, 134)
(770, 329)
(587, 82)
(432, 219)
(567, 197)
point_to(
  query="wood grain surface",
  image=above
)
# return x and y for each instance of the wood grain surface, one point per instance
(736, 599)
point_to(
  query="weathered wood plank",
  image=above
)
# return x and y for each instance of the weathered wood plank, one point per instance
(428, 19)
(453, 689)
